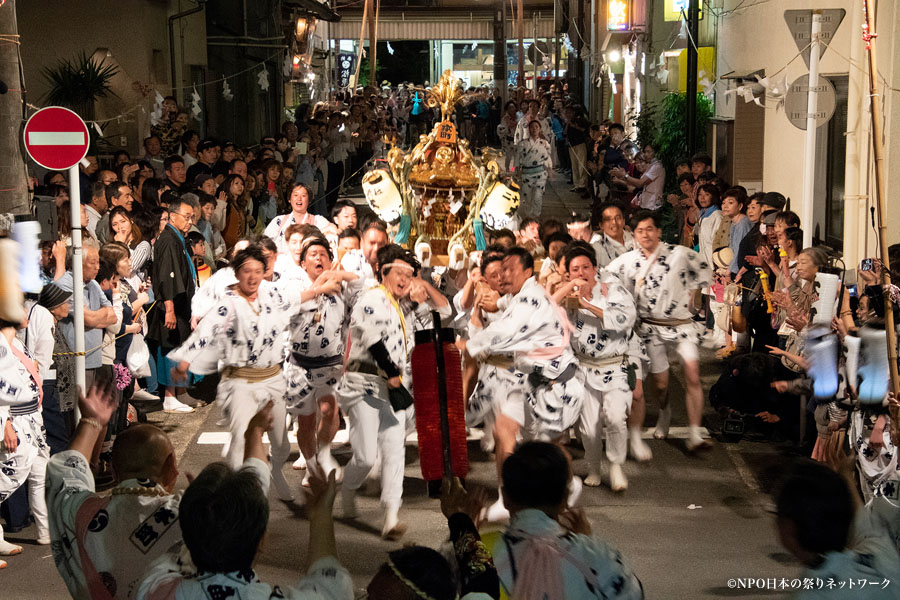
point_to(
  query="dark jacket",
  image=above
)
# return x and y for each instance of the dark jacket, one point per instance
(172, 280)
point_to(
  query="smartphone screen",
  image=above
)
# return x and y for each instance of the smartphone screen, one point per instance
(301, 148)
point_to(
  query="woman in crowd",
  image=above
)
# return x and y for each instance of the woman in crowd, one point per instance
(708, 201)
(298, 199)
(151, 192)
(506, 131)
(64, 222)
(235, 211)
(122, 229)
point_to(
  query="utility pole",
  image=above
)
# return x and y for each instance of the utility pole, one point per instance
(690, 111)
(520, 26)
(500, 49)
(536, 52)
(13, 179)
(579, 56)
(556, 40)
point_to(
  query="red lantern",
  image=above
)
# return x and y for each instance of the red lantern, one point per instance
(440, 410)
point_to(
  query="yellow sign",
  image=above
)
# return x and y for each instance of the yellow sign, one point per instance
(706, 66)
(618, 15)
(673, 8)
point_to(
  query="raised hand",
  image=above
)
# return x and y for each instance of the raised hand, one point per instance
(321, 493)
(99, 403)
(455, 499)
(575, 520)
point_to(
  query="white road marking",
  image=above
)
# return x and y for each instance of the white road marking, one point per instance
(220, 438)
(56, 138)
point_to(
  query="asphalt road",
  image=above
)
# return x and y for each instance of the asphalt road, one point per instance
(687, 524)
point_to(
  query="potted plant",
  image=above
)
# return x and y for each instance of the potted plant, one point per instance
(78, 83)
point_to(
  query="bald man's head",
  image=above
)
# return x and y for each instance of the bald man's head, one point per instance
(145, 452)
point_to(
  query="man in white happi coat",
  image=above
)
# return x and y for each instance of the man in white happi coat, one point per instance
(287, 265)
(536, 331)
(103, 544)
(664, 280)
(363, 262)
(603, 315)
(611, 242)
(23, 449)
(315, 354)
(533, 166)
(374, 391)
(496, 375)
(530, 115)
(243, 336)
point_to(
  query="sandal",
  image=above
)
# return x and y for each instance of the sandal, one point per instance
(726, 352)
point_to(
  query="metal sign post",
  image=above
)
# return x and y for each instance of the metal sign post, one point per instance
(77, 279)
(57, 139)
(812, 31)
(809, 165)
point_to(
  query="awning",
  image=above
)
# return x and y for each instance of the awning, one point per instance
(317, 9)
(471, 26)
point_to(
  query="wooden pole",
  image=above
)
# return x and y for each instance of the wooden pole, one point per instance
(520, 25)
(359, 53)
(373, 70)
(371, 41)
(14, 196)
(881, 209)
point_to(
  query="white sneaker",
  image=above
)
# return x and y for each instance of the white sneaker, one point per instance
(7, 549)
(496, 512)
(143, 396)
(487, 442)
(640, 450)
(593, 478)
(662, 423)
(300, 463)
(328, 463)
(43, 539)
(393, 529)
(617, 480)
(173, 406)
(696, 444)
(575, 488)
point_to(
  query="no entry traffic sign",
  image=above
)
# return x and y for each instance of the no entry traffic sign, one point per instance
(56, 138)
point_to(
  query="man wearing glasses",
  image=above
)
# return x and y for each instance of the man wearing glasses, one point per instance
(174, 281)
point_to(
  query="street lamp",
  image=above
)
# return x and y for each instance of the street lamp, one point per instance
(303, 31)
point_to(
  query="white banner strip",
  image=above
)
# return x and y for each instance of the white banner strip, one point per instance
(56, 138)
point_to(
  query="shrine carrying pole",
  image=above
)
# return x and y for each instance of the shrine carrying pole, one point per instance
(869, 36)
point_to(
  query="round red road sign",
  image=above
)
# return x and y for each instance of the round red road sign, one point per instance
(56, 138)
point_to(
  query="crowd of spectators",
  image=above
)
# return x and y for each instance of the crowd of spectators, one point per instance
(157, 228)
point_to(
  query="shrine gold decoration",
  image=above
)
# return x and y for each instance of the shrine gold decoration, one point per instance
(440, 190)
